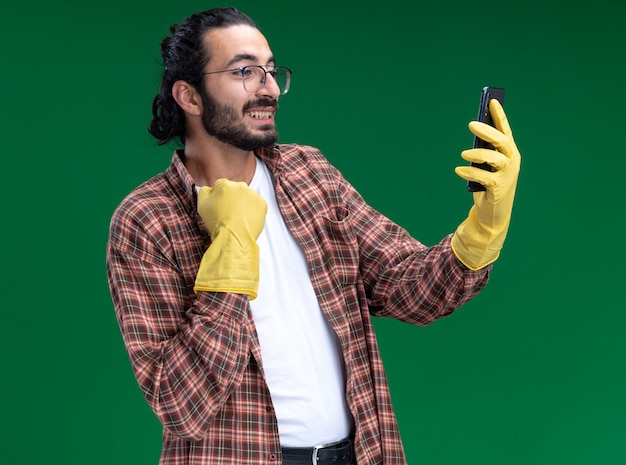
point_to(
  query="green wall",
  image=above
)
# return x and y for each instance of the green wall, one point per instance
(530, 372)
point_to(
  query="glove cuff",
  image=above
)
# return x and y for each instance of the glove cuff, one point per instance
(229, 265)
(472, 249)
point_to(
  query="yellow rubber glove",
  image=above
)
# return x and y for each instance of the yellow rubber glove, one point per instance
(234, 215)
(478, 240)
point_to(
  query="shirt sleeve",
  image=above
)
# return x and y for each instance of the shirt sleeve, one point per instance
(187, 354)
(403, 278)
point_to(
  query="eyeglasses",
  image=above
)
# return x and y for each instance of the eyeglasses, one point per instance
(255, 76)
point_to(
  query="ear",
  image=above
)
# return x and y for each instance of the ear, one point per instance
(187, 98)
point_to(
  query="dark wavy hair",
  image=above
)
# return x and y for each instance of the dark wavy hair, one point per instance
(184, 58)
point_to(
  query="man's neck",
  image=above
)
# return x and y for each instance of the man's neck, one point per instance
(208, 160)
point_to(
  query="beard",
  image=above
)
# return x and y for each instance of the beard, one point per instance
(226, 124)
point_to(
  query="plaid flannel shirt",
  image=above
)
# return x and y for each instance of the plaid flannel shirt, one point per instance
(197, 358)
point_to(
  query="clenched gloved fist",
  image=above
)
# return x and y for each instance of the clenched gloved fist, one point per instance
(234, 215)
(478, 240)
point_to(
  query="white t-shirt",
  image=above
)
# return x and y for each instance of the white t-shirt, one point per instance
(302, 358)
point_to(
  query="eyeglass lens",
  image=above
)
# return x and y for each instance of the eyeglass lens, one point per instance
(254, 78)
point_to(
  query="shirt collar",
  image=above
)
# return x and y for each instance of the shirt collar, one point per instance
(271, 156)
(182, 182)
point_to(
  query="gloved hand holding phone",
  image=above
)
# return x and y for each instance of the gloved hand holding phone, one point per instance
(478, 240)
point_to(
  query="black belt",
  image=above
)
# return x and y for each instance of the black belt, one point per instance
(336, 453)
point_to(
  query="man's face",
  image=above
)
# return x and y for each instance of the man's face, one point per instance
(230, 113)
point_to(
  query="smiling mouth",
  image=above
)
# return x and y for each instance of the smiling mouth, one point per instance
(260, 114)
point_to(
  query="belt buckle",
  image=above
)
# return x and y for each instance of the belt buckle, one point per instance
(316, 449)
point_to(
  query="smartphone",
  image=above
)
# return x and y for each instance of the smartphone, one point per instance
(486, 95)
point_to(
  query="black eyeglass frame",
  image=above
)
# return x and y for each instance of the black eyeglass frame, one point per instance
(272, 72)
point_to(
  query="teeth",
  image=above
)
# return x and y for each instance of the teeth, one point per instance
(260, 114)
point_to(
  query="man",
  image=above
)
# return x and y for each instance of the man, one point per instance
(245, 276)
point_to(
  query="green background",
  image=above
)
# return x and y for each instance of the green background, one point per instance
(530, 372)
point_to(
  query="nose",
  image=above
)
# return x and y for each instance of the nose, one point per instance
(270, 87)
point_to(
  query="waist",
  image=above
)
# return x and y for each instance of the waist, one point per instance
(336, 453)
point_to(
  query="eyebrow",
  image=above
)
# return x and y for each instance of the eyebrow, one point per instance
(247, 57)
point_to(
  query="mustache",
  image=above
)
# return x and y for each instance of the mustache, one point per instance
(262, 102)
